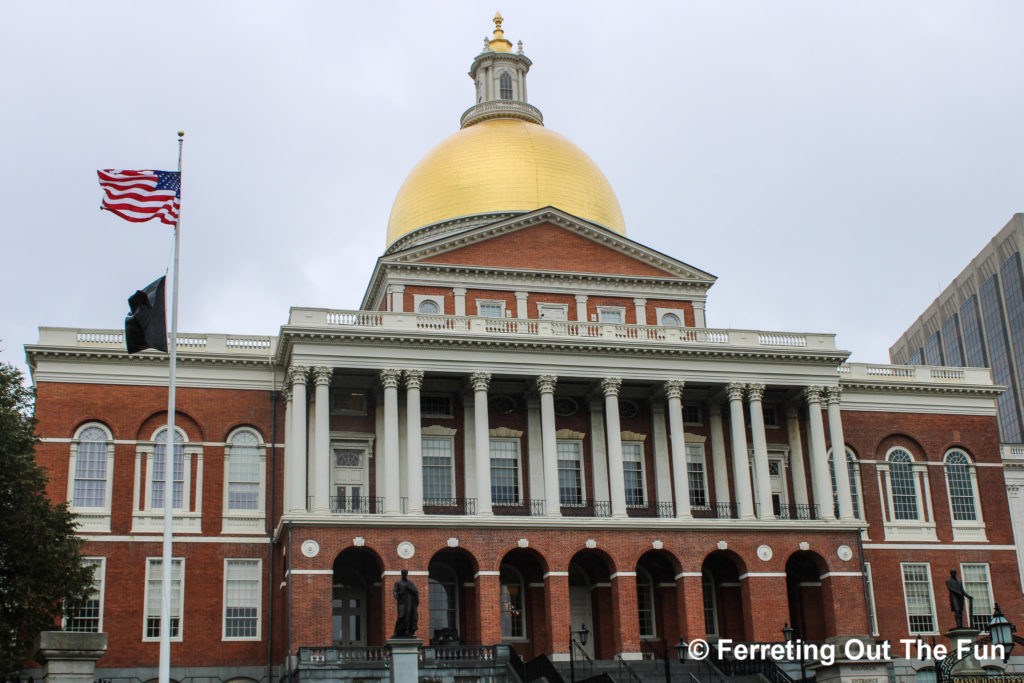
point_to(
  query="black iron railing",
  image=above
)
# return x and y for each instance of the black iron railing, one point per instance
(449, 506)
(593, 508)
(716, 511)
(530, 508)
(797, 512)
(357, 505)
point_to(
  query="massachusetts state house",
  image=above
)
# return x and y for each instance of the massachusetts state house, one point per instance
(528, 413)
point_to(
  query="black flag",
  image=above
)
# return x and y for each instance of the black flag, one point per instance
(146, 325)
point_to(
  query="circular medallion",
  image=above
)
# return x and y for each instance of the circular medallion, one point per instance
(310, 548)
(844, 553)
(502, 405)
(406, 550)
(764, 552)
(628, 409)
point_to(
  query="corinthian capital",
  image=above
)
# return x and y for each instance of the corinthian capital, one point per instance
(322, 375)
(611, 385)
(674, 388)
(812, 395)
(833, 395)
(755, 392)
(480, 381)
(546, 384)
(734, 390)
(413, 379)
(389, 378)
(297, 374)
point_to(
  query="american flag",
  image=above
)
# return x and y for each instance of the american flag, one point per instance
(141, 195)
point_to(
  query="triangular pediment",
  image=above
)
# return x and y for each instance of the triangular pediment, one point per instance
(549, 240)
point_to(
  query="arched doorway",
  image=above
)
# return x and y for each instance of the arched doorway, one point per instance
(590, 602)
(355, 586)
(523, 608)
(656, 600)
(451, 617)
(803, 590)
(723, 596)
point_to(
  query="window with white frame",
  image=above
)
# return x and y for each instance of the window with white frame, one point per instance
(154, 584)
(186, 458)
(903, 486)
(697, 476)
(645, 603)
(158, 472)
(505, 85)
(490, 309)
(438, 472)
(872, 615)
(513, 604)
(505, 478)
(853, 471)
(978, 584)
(633, 473)
(917, 594)
(671, 320)
(553, 311)
(570, 473)
(434, 405)
(89, 617)
(245, 466)
(91, 468)
(242, 599)
(960, 483)
(692, 414)
(611, 314)
(429, 305)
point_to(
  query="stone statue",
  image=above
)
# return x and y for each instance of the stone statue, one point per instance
(408, 599)
(956, 597)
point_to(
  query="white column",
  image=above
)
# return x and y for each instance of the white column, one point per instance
(720, 460)
(392, 503)
(289, 460)
(740, 462)
(821, 482)
(397, 298)
(835, 432)
(535, 449)
(641, 311)
(414, 440)
(680, 479)
(698, 314)
(662, 471)
(546, 389)
(482, 436)
(796, 456)
(521, 301)
(755, 394)
(581, 307)
(616, 478)
(598, 456)
(296, 484)
(460, 300)
(321, 460)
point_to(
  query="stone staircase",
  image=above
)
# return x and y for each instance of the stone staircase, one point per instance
(651, 671)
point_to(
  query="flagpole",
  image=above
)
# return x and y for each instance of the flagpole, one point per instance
(164, 673)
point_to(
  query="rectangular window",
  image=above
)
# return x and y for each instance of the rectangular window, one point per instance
(90, 475)
(974, 344)
(89, 618)
(691, 415)
(933, 350)
(177, 474)
(917, 357)
(771, 416)
(505, 471)
(610, 315)
(153, 587)
(872, 615)
(243, 476)
(951, 342)
(978, 585)
(1000, 358)
(696, 475)
(348, 402)
(490, 309)
(436, 406)
(438, 483)
(570, 473)
(917, 592)
(553, 311)
(633, 473)
(241, 599)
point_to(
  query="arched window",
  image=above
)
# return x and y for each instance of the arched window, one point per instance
(243, 475)
(444, 601)
(177, 470)
(90, 468)
(645, 603)
(505, 80)
(854, 474)
(904, 485)
(671, 320)
(429, 307)
(513, 617)
(960, 484)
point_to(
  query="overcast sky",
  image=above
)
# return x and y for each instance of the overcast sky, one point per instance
(835, 164)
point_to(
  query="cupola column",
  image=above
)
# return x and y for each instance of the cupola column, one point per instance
(755, 393)
(414, 440)
(740, 461)
(480, 381)
(616, 478)
(389, 380)
(321, 460)
(295, 464)
(681, 484)
(839, 462)
(820, 479)
(546, 389)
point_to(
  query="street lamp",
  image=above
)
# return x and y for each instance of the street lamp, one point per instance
(792, 635)
(683, 650)
(582, 635)
(1001, 631)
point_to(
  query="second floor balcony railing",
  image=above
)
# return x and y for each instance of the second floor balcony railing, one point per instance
(357, 505)
(797, 512)
(524, 508)
(592, 508)
(716, 511)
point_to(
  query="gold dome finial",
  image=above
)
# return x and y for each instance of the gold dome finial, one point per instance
(499, 43)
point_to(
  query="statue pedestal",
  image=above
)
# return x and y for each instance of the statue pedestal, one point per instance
(868, 669)
(405, 659)
(965, 637)
(69, 657)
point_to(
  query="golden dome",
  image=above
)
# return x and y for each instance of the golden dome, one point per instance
(503, 165)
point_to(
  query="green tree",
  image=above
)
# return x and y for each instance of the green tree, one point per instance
(41, 572)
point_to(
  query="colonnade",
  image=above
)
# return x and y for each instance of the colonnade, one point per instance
(307, 465)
